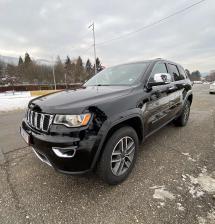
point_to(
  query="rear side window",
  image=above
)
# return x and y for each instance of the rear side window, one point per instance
(175, 73)
(182, 72)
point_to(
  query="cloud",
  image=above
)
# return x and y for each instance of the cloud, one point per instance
(47, 28)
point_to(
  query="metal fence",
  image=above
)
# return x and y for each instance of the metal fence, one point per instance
(32, 87)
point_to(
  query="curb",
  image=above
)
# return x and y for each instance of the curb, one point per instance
(42, 92)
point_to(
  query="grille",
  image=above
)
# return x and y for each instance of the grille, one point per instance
(40, 121)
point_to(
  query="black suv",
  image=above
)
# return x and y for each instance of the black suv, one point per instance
(100, 125)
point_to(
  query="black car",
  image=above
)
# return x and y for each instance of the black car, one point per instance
(100, 125)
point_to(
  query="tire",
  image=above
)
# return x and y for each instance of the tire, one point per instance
(113, 167)
(183, 118)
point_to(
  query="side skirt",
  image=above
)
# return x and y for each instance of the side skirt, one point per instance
(151, 133)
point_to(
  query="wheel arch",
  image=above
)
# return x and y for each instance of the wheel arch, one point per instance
(190, 98)
(135, 122)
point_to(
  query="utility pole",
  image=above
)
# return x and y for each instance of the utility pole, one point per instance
(53, 73)
(65, 79)
(94, 43)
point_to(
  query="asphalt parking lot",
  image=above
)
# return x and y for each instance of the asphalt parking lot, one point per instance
(173, 180)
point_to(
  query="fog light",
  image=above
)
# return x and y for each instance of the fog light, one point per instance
(68, 152)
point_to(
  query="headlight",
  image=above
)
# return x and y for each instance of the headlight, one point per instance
(72, 120)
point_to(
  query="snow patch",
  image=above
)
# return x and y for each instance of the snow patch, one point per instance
(162, 194)
(14, 101)
(189, 156)
(202, 184)
(196, 192)
(207, 183)
(180, 207)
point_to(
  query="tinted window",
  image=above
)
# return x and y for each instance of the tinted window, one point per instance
(158, 68)
(174, 72)
(182, 73)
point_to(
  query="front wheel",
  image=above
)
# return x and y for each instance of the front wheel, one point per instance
(119, 156)
(183, 118)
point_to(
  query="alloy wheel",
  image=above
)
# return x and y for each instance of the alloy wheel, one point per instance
(122, 155)
(186, 112)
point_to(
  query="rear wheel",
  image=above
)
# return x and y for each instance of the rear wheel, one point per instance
(119, 156)
(183, 118)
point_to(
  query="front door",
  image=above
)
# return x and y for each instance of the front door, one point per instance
(157, 108)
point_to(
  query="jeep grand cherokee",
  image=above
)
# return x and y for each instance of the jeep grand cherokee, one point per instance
(100, 125)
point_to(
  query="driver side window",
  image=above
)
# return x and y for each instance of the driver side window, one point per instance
(158, 68)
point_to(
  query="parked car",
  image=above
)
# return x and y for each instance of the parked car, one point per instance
(212, 88)
(197, 82)
(99, 126)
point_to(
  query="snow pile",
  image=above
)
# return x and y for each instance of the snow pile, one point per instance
(14, 100)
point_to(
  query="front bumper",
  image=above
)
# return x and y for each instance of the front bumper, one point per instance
(75, 150)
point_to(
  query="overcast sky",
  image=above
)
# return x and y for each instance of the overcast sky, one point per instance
(47, 28)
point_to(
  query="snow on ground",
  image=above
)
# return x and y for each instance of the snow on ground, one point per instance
(180, 207)
(14, 100)
(188, 156)
(161, 193)
(210, 219)
(204, 183)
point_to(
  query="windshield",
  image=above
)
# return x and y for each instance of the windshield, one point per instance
(126, 74)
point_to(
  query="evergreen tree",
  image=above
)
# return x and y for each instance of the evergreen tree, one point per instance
(67, 62)
(28, 70)
(2, 68)
(27, 59)
(89, 69)
(195, 76)
(99, 66)
(20, 68)
(68, 71)
(80, 74)
(20, 63)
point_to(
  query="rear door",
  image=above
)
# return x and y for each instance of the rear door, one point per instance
(179, 86)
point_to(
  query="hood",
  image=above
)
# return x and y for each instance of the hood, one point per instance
(76, 101)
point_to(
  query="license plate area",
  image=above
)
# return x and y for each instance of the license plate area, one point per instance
(25, 135)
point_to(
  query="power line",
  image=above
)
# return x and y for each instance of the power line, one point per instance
(151, 24)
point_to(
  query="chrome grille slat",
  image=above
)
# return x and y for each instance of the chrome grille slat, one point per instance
(31, 117)
(41, 121)
(28, 115)
(35, 120)
(38, 120)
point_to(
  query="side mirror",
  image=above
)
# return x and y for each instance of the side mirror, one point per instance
(160, 79)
